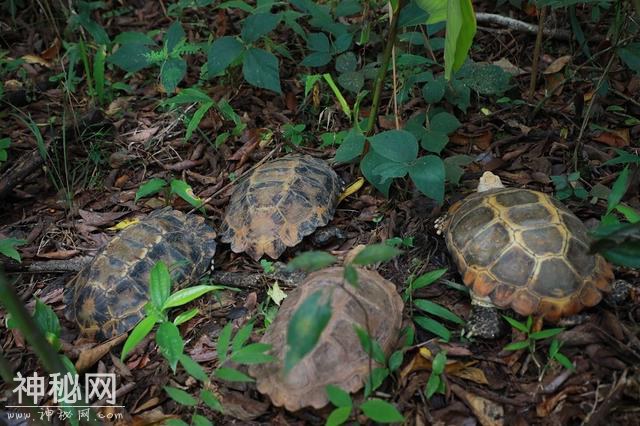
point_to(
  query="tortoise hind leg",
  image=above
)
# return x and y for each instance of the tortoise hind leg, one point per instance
(485, 322)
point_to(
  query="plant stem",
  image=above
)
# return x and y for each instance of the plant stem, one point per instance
(382, 73)
(536, 52)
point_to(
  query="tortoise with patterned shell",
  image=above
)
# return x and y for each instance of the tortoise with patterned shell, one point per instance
(522, 249)
(280, 203)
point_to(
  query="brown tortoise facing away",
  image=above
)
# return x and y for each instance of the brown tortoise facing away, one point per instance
(338, 357)
(521, 249)
(108, 296)
(280, 203)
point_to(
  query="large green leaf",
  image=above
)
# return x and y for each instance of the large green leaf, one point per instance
(172, 72)
(630, 55)
(255, 26)
(395, 145)
(461, 28)
(428, 175)
(311, 261)
(175, 34)
(305, 327)
(8, 247)
(139, 332)
(376, 253)
(381, 411)
(159, 284)
(369, 162)
(131, 57)
(437, 10)
(222, 53)
(351, 147)
(170, 343)
(260, 68)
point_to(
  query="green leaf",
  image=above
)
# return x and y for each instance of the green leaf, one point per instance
(434, 141)
(433, 384)
(395, 360)
(241, 337)
(316, 59)
(224, 338)
(564, 361)
(453, 167)
(338, 396)
(351, 147)
(311, 261)
(545, 334)
(395, 145)
(427, 279)
(252, 354)
(180, 396)
(381, 411)
(139, 332)
(437, 310)
(211, 400)
(260, 69)
(433, 91)
(630, 214)
(193, 368)
(175, 422)
(305, 327)
(618, 189)
(188, 95)
(515, 346)
(198, 420)
(630, 55)
(352, 81)
(318, 42)
(186, 295)
(159, 284)
(131, 57)
(351, 275)
(369, 162)
(185, 316)
(309, 82)
(170, 343)
(222, 53)
(231, 375)
(347, 62)
(131, 37)
(375, 253)
(48, 323)
(439, 363)
(391, 170)
(150, 187)
(444, 122)
(348, 7)
(486, 79)
(516, 324)
(8, 247)
(433, 327)
(344, 105)
(338, 416)
(184, 191)
(175, 34)
(197, 118)
(461, 28)
(437, 10)
(258, 25)
(427, 174)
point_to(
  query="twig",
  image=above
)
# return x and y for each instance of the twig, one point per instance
(395, 77)
(536, 53)
(514, 24)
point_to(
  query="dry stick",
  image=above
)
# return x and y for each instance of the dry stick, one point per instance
(386, 56)
(536, 53)
(395, 78)
(514, 24)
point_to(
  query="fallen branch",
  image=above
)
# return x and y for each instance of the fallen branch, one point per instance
(514, 24)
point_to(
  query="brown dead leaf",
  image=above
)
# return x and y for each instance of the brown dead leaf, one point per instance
(486, 411)
(517, 125)
(250, 140)
(616, 138)
(242, 407)
(557, 65)
(472, 374)
(508, 67)
(142, 135)
(151, 418)
(118, 105)
(35, 59)
(52, 51)
(89, 357)
(548, 404)
(100, 219)
(59, 254)
(553, 83)
(482, 139)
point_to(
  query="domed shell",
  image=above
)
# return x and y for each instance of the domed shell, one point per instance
(522, 249)
(280, 203)
(108, 296)
(338, 357)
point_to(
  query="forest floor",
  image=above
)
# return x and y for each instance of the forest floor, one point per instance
(98, 157)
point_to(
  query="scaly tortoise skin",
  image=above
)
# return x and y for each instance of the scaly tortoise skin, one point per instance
(522, 249)
(280, 203)
(338, 357)
(108, 296)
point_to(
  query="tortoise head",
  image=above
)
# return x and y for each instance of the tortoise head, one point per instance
(489, 181)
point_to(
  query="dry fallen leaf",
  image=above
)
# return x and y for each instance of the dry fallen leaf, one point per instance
(486, 411)
(616, 138)
(35, 59)
(52, 51)
(89, 357)
(557, 65)
(508, 67)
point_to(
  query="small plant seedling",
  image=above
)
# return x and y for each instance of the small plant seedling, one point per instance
(532, 337)
(8, 248)
(4, 146)
(375, 409)
(176, 187)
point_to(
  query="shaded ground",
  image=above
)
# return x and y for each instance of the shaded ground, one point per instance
(98, 159)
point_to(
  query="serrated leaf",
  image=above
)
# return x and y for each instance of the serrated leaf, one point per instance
(170, 343)
(193, 368)
(260, 68)
(222, 53)
(258, 25)
(305, 327)
(224, 339)
(375, 253)
(211, 400)
(241, 337)
(311, 261)
(180, 396)
(131, 57)
(381, 411)
(276, 294)
(138, 333)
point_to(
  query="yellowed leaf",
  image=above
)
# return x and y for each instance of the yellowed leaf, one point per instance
(351, 189)
(472, 374)
(123, 224)
(35, 59)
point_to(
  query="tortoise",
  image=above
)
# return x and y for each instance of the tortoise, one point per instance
(108, 296)
(338, 357)
(280, 203)
(522, 249)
